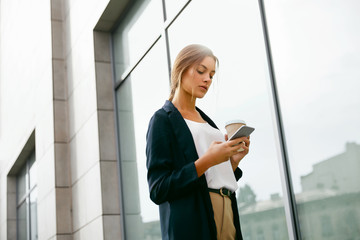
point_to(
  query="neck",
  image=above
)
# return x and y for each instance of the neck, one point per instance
(184, 103)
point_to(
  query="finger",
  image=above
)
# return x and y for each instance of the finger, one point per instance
(226, 137)
(242, 139)
(238, 147)
(246, 142)
(246, 149)
(235, 141)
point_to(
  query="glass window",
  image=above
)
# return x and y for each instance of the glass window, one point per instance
(317, 56)
(22, 221)
(240, 90)
(27, 201)
(173, 7)
(21, 185)
(275, 232)
(138, 97)
(138, 30)
(33, 214)
(326, 226)
(32, 173)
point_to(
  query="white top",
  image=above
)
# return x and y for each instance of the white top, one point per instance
(218, 176)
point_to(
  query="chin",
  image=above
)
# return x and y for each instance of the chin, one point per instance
(201, 96)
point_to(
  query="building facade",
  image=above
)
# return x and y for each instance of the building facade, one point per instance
(79, 81)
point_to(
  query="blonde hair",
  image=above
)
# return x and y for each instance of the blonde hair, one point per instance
(187, 57)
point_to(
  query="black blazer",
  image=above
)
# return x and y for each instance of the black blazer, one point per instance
(184, 202)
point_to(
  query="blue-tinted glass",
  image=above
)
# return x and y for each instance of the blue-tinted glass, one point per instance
(173, 7)
(32, 171)
(240, 91)
(22, 221)
(33, 215)
(21, 184)
(316, 53)
(138, 97)
(139, 29)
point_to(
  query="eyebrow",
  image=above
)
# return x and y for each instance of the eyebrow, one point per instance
(206, 68)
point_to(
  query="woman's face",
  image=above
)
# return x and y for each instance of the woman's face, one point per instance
(197, 79)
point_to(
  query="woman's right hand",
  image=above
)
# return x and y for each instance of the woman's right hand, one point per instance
(222, 151)
(218, 152)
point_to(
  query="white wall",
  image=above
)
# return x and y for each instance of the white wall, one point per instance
(25, 95)
(94, 176)
(51, 81)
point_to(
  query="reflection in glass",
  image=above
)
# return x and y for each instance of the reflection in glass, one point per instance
(33, 215)
(26, 192)
(32, 171)
(173, 7)
(317, 57)
(21, 184)
(138, 97)
(22, 221)
(233, 31)
(137, 32)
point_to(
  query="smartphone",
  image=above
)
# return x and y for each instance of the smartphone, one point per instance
(243, 131)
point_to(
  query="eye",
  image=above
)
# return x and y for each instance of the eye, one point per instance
(200, 72)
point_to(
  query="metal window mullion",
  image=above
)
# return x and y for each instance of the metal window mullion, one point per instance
(166, 39)
(170, 21)
(167, 24)
(29, 206)
(289, 197)
(27, 201)
(21, 200)
(132, 67)
(117, 135)
(124, 76)
(164, 33)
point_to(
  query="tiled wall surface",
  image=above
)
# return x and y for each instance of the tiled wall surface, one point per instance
(56, 79)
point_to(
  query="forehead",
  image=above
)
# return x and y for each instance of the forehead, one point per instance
(208, 62)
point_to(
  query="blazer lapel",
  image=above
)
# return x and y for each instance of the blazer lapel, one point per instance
(206, 118)
(183, 135)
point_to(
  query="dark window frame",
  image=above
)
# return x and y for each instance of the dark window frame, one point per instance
(25, 198)
(291, 213)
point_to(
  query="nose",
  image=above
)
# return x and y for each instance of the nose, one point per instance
(207, 79)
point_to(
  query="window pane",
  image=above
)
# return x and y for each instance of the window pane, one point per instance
(21, 184)
(22, 219)
(139, 96)
(240, 90)
(32, 171)
(33, 215)
(136, 33)
(316, 53)
(173, 7)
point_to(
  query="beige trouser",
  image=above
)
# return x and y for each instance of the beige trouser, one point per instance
(224, 218)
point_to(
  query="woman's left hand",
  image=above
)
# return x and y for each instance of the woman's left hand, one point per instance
(235, 159)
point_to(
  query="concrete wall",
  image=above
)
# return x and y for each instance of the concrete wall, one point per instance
(26, 103)
(56, 83)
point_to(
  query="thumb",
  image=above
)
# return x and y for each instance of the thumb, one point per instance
(215, 142)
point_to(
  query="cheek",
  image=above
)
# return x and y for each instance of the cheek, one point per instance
(189, 74)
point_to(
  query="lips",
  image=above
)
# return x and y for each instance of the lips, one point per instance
(204, 87)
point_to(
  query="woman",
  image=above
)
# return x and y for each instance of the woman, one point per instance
(192, 170)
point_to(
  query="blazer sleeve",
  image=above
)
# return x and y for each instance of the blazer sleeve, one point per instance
(166, 182)
(238, 173)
